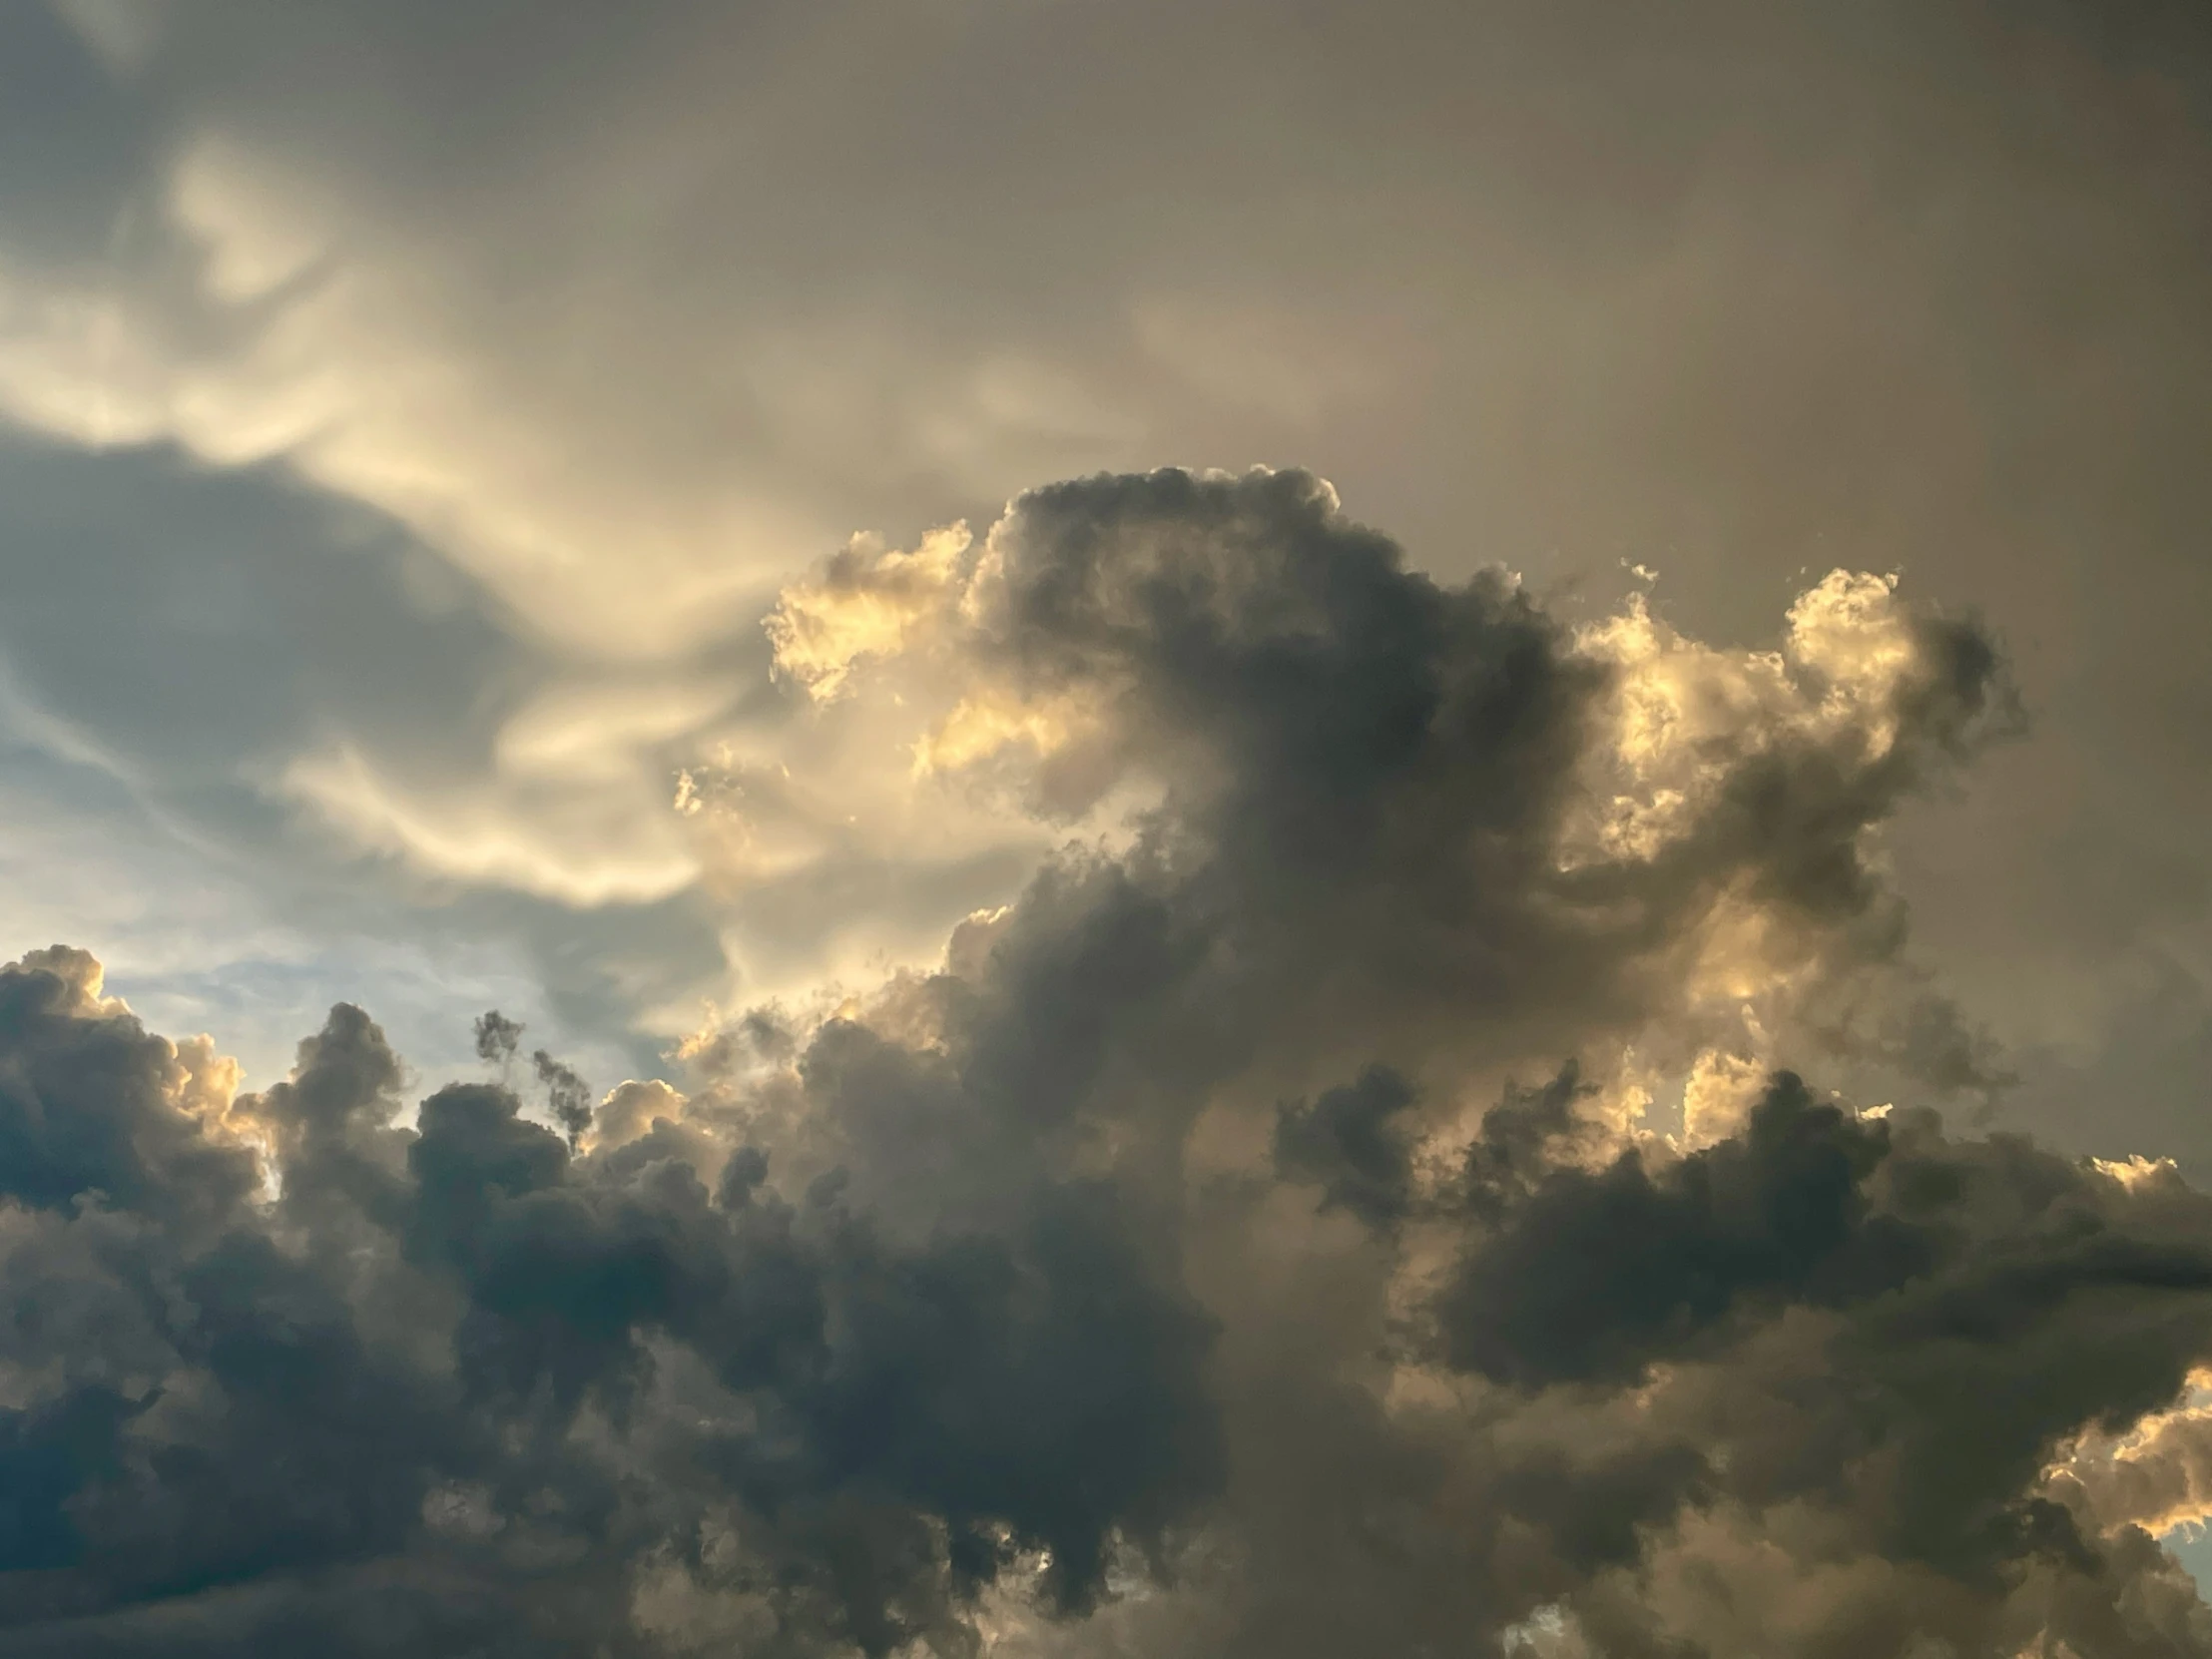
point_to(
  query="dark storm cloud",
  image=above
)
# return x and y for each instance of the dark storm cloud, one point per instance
(84, 1109)
(1858, 1321)
(1369, 777)
(1345, 1141)
(427, 1308)
(497, 1037)
(1895, 1328)
(926, 1316)
(1807, 1206)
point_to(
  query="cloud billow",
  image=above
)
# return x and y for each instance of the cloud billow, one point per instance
(1178, 1269)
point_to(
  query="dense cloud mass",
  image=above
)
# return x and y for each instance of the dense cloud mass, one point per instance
(1356, 1200)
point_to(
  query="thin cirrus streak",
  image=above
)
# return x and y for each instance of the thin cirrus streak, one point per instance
(1356, 1199)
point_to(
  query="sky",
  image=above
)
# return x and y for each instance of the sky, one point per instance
(1397, 810)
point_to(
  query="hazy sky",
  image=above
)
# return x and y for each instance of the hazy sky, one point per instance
(435, 436)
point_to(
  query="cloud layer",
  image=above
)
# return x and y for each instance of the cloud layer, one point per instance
(1353, 1200)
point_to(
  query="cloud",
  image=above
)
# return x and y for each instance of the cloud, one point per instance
(381, 1355)
(1175, 1266)
(1348, 1144)
(866, 603)
(184, 639)
(586, 850)
(1460, 793)
(607, 318)
(618, 318)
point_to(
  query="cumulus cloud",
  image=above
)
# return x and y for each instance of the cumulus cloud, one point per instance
(1464, 794)
(1265, 1235)
(867, 602)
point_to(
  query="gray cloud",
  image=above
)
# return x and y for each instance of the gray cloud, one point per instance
(1165, 1273)
(411, 385)
(303, 1396)
(1347, 1142)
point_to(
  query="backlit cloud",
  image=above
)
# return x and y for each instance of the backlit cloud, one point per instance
(1130, 1065)
(1178, 1262)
